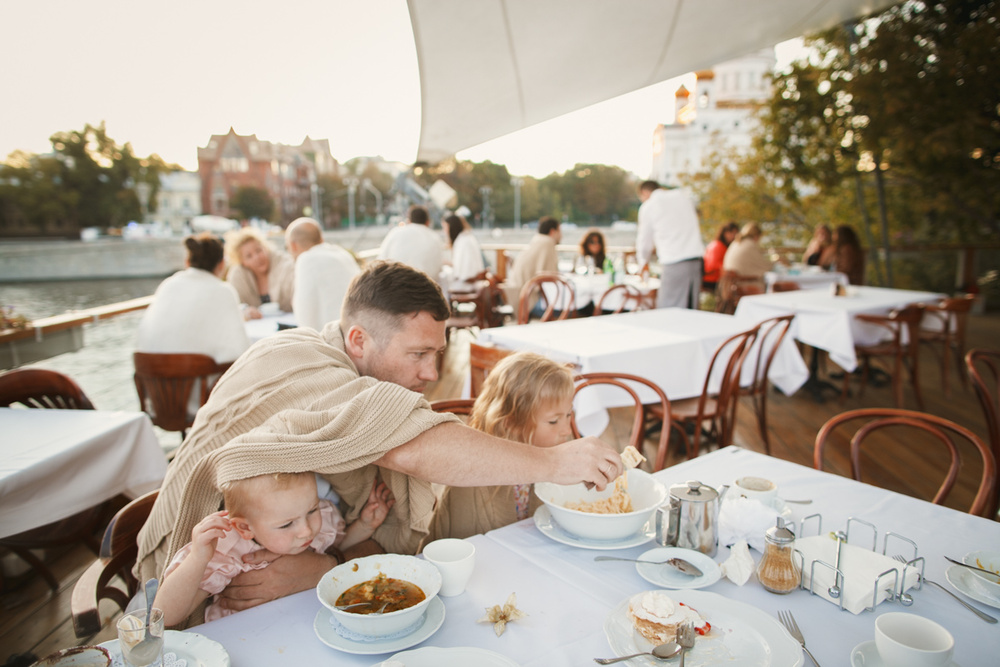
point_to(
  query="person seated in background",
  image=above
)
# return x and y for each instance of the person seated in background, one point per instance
(539, 257)
(259, 273)
(820, 250)
(746, 258)
(526, 398)
(195, 312)
(281, 513)
(848, 257)
(415, 243)
(716, 252)
(467, 263)
(322, 273)
(594, 247)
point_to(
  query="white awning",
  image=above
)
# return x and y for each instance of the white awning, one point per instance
(491, 67)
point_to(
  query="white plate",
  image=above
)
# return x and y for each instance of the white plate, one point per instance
(461, 656)
(433, 618)
(197, 650)
(741, 634)
(968, 583)
(667, 576)
(866, 654)
(551, 529)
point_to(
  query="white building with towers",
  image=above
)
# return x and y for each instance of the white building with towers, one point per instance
(717, 114)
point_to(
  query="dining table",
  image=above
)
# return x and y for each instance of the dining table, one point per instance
(806, 277)
(573, 604)
(268, 325)
(827, 322)
(56, 463)
(671, 347)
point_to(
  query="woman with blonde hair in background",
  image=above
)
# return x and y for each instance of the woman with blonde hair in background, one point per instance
(746, 258)
(259, 273)
(527, 398)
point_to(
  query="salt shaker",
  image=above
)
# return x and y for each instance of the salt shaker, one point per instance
(777, 570)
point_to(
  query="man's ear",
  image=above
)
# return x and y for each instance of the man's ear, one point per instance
(241, 526)
(355, 341)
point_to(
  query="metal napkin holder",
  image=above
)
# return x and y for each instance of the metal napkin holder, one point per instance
(897, 592)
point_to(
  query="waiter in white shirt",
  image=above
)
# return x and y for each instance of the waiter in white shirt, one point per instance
(668, 224)
(323, 272)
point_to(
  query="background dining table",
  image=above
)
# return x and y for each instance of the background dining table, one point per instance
(269, 325)
(568, 596)
(806, 277)
(56, 463)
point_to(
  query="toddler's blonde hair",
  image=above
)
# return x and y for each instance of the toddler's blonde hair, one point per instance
(242, 495)
(515, 390)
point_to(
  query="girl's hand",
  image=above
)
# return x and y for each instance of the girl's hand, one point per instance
(380, 501)
(205, 535)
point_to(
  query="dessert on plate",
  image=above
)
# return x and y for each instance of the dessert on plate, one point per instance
(656, 616)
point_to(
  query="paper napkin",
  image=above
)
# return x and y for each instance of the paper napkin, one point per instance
(738, 567)
(745, 519)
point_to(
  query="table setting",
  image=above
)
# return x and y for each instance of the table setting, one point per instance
(531, 598)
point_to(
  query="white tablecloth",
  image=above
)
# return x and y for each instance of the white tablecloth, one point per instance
(267, 325)
(671, 347)
(590, 288)
(806, 278)
(567, 596)
(827, 322)
(59, 462)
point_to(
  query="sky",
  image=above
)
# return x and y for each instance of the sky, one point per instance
(166, 76)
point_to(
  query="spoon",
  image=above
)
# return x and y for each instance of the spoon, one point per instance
(678, 563)
(345, 607)
(971, 567)
(150, 644)
(663, 652)
(797, 502)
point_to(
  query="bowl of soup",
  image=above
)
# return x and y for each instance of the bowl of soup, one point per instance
(403, 585)
(606, 515)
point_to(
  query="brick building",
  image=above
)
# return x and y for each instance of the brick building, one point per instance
(287, 173)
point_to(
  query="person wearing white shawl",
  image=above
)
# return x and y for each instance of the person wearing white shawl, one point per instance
(337, 402)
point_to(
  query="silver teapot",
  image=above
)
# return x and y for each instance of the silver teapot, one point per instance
(691, 519)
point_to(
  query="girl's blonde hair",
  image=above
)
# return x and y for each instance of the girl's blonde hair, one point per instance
(239, 238)
(242, 495)
(515, 390)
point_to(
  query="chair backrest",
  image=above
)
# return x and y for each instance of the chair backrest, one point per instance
(733, 286)
(456, 406)
(983, 367)
(770, 336)
(40, 388)
(482, 359)
(110, 576)
(554, 292)
(165, 382)
(937, 429)
(732, 352)
(951, 315)
(785, 286)
(619, 298)
(638, 432)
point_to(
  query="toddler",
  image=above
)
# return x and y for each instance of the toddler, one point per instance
(281, 513)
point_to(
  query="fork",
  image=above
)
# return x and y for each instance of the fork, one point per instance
(685, 637)
(788, 621)
(981, 614)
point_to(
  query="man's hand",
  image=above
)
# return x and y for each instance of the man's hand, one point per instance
(283, 576)
(586, 460)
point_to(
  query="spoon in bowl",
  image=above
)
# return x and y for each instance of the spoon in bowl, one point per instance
(662, 652)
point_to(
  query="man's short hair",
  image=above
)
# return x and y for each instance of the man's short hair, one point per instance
(648, 186)
(387, 292)
(547, 224)
(418, 215)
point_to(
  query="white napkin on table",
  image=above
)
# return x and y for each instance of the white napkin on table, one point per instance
(742, 518)
(861, 567)
(739, 566)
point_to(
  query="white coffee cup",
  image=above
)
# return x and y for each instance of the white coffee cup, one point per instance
(756, 488)
(269, 309)
(908, 640)
(454, 559)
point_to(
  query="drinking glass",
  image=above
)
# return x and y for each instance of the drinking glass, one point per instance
(132, 629)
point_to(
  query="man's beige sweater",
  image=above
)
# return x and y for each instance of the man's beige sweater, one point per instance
(294, 402)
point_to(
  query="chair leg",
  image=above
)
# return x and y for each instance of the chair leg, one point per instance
(37, 565)
(914, 369)
(761, 408)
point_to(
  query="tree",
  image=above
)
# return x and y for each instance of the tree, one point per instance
(252, 202)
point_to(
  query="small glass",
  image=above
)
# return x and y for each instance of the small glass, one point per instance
(132, 629)
(777, 571)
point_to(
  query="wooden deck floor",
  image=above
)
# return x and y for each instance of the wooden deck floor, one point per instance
(33, 620)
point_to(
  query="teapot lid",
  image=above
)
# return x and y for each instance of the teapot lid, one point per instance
(694, 491)
(780, 534)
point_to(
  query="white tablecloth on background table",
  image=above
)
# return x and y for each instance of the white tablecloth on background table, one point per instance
(568, 596)
(59, 462)
(827, 322)
(806, 278)
(267, 325)
(671, 347)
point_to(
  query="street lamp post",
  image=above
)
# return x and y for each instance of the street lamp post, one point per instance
(352, 188)
(487, 213)
(517, 183)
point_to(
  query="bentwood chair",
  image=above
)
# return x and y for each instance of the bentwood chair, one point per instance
(984, 372)
(770, 337)
(110, 576)
(637, 435)
(165, 383)
(905, 440)
(45, 389)
(732, 287)
(623, 297)
(556, 295)
(718, 408)
(456, 406)
(943, 326)
(904, 351)
(482, 359)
